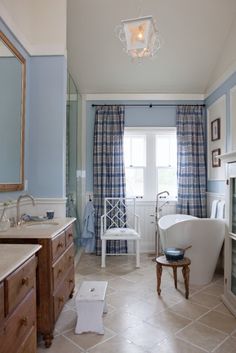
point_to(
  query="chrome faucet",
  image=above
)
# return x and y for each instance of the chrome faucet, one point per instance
(157, 199)
(25, 196)
(157, 215)
(163, 192)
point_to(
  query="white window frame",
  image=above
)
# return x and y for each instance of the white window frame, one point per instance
(150, 171)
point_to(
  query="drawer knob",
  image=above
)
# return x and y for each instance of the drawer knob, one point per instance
(24, 321)
(59, 271)
(61, 299)
(70, 257)
(25, 281)
(70, 235)
(60, 245)
(71, 281)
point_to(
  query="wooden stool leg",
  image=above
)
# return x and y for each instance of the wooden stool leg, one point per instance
(159, 272)
(185, 272)
(175, 276)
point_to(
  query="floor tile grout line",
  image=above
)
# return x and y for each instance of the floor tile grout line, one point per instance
(192, 344)
(212, 328)
(220, 344)
(71, 341)
(138, 345)
(197, 321)
(169, 307)
(106, 340)
(227, 314)
(84, 350)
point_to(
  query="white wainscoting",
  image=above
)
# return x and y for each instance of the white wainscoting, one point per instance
(146, 211)
(40, 208)
(211, 196)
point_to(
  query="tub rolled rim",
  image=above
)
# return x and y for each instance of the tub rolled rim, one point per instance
(169, 220)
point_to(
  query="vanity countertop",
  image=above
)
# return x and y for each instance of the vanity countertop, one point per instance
(14, 255)
(35, 230)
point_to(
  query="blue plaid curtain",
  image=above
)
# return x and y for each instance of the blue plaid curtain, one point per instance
(108, 167)
(191, 159)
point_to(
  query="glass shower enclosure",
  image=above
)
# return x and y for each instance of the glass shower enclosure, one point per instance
(72, 116)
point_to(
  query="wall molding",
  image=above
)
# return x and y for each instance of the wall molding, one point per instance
(224, 77)
(8, 21)
(32, 50)
(215, 195)
(144, 97)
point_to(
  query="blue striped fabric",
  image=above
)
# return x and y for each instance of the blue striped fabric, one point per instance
(108, 167)
(191, 159)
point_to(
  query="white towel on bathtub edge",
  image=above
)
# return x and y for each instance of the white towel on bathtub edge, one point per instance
(221, 210)
(214, 208)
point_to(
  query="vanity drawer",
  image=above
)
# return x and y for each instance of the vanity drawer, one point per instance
(70, 282)
(1, 301)
(19, 324)
(19, 283)
(69, 235)
(58, 246)
(69, 257)
(59, 300)
(58, 271)
(30, 343)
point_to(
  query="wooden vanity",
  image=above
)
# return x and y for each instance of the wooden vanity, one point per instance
(18, 298)
(55, 272)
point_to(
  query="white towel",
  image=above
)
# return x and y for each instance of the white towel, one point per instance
(214, 208)
(220, 210)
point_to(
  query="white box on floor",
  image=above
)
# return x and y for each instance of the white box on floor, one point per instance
(90, 305)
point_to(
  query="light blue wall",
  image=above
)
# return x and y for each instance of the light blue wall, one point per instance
(224, 89)
(134, 117)
(47, 126)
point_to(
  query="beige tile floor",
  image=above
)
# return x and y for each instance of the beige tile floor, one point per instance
(139, 321)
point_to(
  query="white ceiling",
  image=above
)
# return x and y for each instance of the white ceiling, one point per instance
(194, 32)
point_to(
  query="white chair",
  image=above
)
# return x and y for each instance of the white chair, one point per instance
(120, 222)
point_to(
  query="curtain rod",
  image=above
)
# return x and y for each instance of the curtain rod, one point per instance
(146, 105)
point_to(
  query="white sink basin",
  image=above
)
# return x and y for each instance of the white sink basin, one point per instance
(42, 225)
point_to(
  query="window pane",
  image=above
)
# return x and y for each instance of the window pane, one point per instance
(134, 181)
(138, 151)
(167, 180)
(173, 151)
(166, 150)
(162, 151)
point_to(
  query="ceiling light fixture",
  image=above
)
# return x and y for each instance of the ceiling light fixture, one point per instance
(139, 37)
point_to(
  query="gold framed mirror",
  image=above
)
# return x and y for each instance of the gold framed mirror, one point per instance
(12, 116)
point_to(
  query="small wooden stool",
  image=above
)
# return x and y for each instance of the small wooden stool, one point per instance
(162, 261)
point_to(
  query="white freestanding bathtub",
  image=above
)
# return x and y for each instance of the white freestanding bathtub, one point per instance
(206, 235)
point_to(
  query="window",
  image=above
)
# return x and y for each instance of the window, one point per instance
(135, 164)
(166, 162)
(150, 162)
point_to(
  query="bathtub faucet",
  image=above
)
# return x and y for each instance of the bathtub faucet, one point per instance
(163, 192)
(157, 215)
(159, 208)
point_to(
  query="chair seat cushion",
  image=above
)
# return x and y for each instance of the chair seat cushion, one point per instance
(121, 232)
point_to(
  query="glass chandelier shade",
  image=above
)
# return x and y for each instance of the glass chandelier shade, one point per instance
(139, 37)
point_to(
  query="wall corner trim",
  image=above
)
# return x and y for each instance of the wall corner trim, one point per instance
(213, 87)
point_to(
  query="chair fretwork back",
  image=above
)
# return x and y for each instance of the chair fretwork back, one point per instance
(119, 212)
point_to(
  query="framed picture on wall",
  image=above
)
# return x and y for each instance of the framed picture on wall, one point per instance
(215, 129)
(215, 160)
